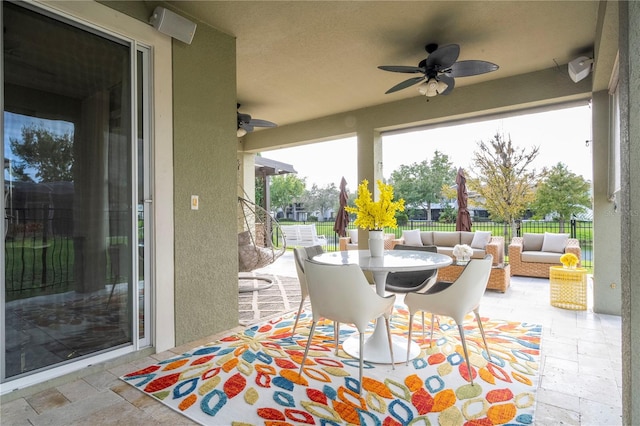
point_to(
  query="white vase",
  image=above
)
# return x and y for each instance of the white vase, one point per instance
(376, 243)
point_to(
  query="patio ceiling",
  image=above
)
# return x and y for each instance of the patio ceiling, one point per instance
(302, 60)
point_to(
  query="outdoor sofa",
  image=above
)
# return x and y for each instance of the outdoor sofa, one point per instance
(532, 254)
(482, 242)
(350, 242)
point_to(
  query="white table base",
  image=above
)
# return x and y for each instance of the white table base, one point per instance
(376, 345)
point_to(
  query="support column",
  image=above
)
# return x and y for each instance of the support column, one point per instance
(607, 214)
(370, 168)
(246, 175)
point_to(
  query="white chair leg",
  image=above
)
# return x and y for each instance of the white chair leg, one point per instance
(386, 320)
(410, 329)
(430, 337)
(361, 363)
(295, 324)
(306, 349)
(482, 332)
(466, 354)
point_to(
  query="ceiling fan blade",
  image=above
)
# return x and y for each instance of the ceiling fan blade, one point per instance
(261, 123)
(469, 68)
(449, 81)
(443, 57)
(401, 68)
(405, 84)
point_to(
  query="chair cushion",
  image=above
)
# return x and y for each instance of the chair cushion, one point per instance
(481, 239)
(412, 238)
(554, 243)
(532, 242)
(353, 234)
(244, 239)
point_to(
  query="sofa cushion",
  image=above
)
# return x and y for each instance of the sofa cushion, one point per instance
(540, 257)
(427, 238)
(412, 237)
(532, 242)
(554, 243)
(481, 239)
(353, 234)
(466, 237)
(446, 239)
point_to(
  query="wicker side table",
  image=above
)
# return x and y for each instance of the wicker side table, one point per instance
(498, 280)
(568, 288)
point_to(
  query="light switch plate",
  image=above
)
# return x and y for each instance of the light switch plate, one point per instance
(195, 202)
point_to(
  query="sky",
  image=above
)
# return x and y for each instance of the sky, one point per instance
(560, 134)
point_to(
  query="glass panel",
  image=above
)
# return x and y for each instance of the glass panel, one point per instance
(142, 125)
(68, 185)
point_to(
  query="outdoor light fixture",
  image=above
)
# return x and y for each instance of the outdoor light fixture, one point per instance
(579, 68)
(432, 87)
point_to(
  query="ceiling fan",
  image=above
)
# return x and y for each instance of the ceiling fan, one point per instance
(246, 123)
(439, 70)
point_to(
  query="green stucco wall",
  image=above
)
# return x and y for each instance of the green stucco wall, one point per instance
(607, 288)
(630, 158)
(205, 164)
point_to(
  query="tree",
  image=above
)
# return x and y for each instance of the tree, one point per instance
(51, 155)
(322, 199)
(285, 190)
(501, 177)
(420, 184)
(562, 194)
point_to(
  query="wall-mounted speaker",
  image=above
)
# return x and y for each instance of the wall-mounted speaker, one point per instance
(170, 23)
(579, 68)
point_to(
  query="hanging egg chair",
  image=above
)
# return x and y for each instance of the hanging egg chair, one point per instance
(258, 244)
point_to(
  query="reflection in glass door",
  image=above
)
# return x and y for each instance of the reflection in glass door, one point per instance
(72, 284)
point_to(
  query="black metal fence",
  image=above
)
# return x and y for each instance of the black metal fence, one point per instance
(582, 230)
(39, 246)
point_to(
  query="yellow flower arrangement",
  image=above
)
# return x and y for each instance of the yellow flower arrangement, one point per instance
(569, 260)
(379, 214)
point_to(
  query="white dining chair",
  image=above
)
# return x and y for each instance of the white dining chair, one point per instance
(342, 293)
(418, 281)
(455, 299)
(300, 254)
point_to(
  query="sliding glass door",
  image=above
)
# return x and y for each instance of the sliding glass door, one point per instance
(75, 148)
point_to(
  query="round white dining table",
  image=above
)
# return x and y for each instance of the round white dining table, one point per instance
(376, 346)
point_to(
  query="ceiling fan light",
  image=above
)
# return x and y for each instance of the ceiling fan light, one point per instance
(441, 87)
(430, 88)
(241, 132)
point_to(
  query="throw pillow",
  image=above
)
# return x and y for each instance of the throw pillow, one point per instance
(353, 234)
(554, 243)
(481, 239)
(532, 242)
(412, 238)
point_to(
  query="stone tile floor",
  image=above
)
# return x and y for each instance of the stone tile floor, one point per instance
(580, 382)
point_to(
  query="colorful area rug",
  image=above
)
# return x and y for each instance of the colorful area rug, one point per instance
(251, 378)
